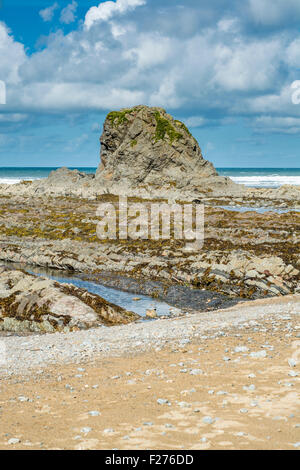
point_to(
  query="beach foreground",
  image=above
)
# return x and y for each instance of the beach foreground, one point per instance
(217, 380)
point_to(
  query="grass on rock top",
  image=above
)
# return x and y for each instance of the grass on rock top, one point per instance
(118, 117)
(163, 125)
(163, 128)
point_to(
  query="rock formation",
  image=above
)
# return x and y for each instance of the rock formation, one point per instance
(145, 152)
(145, 148)
(29, 303)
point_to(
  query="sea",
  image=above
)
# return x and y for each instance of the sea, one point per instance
(251, 177)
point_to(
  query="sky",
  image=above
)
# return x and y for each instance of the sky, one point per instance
(224, 67)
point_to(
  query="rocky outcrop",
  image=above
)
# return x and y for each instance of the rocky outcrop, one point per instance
(146, 148)
(285, 192)
(147, 153)
(61, 182)
(29, 303)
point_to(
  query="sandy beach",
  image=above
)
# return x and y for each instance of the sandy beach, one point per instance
(226, 380)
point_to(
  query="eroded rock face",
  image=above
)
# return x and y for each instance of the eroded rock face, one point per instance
(145, 147)
(29, 303)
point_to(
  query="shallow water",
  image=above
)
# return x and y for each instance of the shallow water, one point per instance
(115, 296)
(260, 210)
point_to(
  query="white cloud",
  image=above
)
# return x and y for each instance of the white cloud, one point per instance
(248, 66)
(293, 53)
(229, 25)
(77, 96)
(210, 73)
(13, 117)
(143, 53)
(195, 121)
(12, 55)
(271, 12)
(271, 124)
(105, 11)
(47, 13)
(67, 15)
(274, 103)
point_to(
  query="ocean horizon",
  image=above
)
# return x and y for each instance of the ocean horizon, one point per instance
(251, 177)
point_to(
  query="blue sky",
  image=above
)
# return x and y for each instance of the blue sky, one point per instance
(224, 67)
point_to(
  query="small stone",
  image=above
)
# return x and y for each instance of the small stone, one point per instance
(151, 313)
(196, 372)
(208, 420)
(85, 430)
(162, 401)
(249, 388)
(184, 341)
(183, 404)
(258, 354)
(243, 349)
(23, 399)
(109, 431)
(13, 441)
(94, 413)
(292, 373)
(292, 362)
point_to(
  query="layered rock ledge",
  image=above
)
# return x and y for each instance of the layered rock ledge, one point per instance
(38, 304)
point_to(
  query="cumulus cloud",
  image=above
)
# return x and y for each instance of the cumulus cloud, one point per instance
(208, 75)
(47, 13)
(248, 66)
(67, 15)
(12, 55)
(105, 11)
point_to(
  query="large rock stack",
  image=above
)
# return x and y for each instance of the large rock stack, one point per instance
(146, 148)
